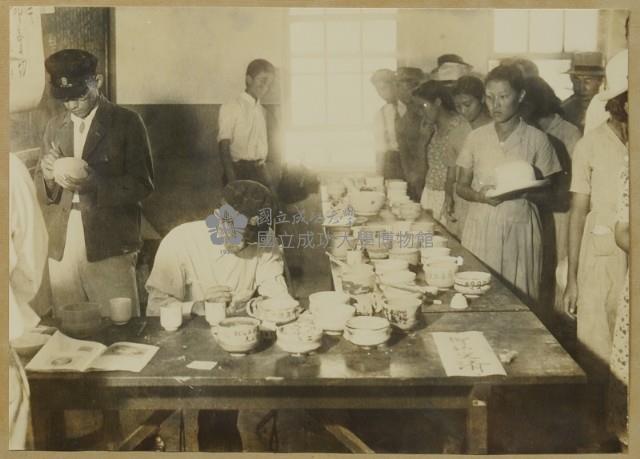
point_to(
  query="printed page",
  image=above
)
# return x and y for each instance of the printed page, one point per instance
(467, 354)
(124, 357)
(62, 353)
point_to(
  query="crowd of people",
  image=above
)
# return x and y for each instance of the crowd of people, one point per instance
(453, 141)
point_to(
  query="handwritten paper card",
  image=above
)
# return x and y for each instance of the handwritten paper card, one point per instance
(467, 354)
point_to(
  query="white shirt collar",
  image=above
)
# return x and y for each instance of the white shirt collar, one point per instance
(87, 119)
(249, 98)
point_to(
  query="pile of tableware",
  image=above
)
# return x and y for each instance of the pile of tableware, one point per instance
(472, 282)
(410, 255)
(373, 239)
(340, 239)
(358, 279)
(367, 331)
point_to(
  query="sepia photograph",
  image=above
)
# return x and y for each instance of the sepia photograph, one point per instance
(319, 229)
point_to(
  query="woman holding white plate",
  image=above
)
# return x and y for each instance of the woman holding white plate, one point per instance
(503, 224)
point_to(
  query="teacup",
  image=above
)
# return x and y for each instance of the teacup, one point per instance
(367, 330)
(401, 311)
(237, 335)
(120, 310)
(329, 297)
(431, 252)
(412, 256)
(215, 312)
(171, 316)
(278, 310)
(332, 317)
(440, 274)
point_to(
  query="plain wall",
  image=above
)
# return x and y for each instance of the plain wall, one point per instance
(193, 55)
(425, 34)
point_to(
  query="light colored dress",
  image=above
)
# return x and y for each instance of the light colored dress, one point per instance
(442, 153)
(619, 362)
(597, 160)
(507, 237)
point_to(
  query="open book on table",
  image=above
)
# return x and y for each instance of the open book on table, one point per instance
(62, 353)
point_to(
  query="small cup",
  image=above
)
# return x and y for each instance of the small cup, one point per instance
(120, 310)
(171, 316)
(215, 312)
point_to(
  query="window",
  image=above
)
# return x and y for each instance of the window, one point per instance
(332, 54)
(548, 38)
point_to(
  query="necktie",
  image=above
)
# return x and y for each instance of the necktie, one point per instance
(81, 127)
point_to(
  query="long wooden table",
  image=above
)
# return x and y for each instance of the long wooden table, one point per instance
(406, 373)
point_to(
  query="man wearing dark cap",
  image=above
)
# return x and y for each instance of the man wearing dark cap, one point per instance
(409, 134)
(587, 74)
(92, 214)
(93, 222)
(226, 258)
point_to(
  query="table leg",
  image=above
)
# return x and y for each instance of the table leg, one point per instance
(191, 430)
(48, 428)
(477, 419)
(112, 429)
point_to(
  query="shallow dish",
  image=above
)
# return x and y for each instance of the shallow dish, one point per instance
(29, 343)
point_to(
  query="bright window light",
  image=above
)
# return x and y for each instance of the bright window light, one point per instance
(510, 29)
(546, 31)
(581, 30)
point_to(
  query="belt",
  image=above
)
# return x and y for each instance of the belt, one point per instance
(75, 206)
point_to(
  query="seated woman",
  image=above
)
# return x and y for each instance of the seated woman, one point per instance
(468, 95)
(449, 133)
(192, 266)
(504, 231)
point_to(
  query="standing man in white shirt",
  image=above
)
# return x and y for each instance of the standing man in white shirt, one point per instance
(387, 150)
(242, 128)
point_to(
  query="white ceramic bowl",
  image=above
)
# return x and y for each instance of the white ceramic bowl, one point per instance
(401, 311)
(473, 279)
(367, 202)
(299, 337)
(75, 168)
(412, 256)
(367, 330)
(385, 266)
(440, 274)
(328, 297)
(431, 252)
(237, 335)
(398, 277)
(274, 310)
(472, 290)
(332, 318)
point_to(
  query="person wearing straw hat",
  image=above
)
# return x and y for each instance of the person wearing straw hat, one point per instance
(387, 154)
(597, 266)
(411, 138)
(450, 68)
(587, 74)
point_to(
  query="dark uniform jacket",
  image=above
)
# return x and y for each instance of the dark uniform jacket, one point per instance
(117, 149)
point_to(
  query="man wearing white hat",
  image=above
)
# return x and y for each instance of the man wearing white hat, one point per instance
(597, 266)
(586, 74)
